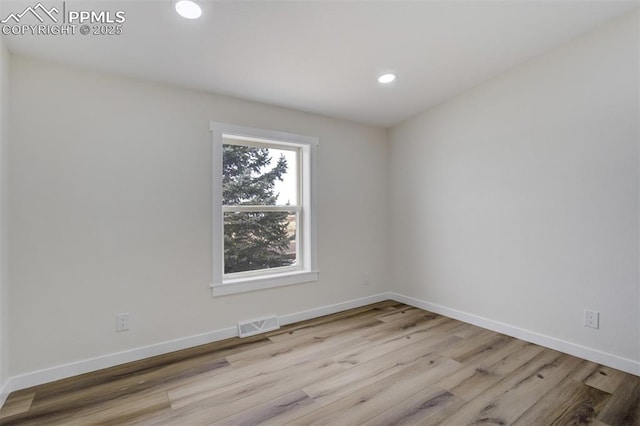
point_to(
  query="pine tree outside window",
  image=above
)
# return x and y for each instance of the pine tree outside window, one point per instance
(260, 206)
(263, 209)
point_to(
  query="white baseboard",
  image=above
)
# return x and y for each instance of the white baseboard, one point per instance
(332, 309)
(52, 374)
(110, 360)
(58, 372)
(610, 360)
(4, 392)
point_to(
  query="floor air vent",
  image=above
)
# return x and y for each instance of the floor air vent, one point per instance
(257, 326)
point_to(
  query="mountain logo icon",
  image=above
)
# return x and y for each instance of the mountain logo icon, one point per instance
(39, 11)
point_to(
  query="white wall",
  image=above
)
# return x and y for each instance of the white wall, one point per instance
(518, 200)
(111, 201)
(4, 217)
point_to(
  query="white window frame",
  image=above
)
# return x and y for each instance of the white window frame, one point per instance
(306, 268)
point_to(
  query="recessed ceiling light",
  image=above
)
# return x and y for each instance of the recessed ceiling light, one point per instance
(189, 9)
(386, 78)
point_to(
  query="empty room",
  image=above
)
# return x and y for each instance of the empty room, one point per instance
(320, 212)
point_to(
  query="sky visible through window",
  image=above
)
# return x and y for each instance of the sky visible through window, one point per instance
(287, 188)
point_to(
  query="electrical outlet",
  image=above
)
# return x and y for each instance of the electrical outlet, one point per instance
(122, 322)
(591, 319)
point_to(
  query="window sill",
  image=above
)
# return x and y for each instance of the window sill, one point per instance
(241, 285)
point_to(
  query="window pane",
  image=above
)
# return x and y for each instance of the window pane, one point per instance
(259, 176)
(258, 240)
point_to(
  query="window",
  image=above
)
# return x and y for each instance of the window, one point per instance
(263, 209)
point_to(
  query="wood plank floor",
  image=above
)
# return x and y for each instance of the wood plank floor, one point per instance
(382, 364)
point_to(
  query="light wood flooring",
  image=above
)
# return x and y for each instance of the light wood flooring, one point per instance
(381, 364)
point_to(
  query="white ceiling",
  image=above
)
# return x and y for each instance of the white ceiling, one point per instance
(324, 57)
